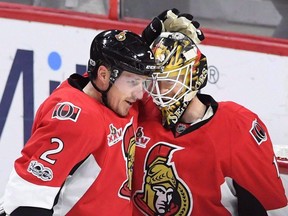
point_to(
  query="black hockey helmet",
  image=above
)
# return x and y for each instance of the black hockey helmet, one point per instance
(119, 51)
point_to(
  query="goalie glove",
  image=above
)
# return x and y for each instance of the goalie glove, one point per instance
(185, 24)
(156, 26)
(170, 20)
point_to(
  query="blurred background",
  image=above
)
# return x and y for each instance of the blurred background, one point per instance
(254, 17)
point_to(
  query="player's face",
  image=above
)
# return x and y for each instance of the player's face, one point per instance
(170, 88)
(126, 90)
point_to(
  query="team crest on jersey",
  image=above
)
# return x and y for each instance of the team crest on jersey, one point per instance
(257, 132)
(128, 147)
(41, 172)
(66, 111)
(163, 192)
(141, 139)
(114, 136)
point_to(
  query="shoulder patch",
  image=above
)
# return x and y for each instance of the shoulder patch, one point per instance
(257, 132)
(141, 139)
(66, 111)
(115, 135)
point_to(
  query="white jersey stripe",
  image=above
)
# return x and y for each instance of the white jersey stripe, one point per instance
(18, 193)
(76, 185)
(228, 198)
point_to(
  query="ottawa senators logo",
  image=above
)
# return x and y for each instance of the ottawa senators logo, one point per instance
(129, 145)
(121, 36)
(114, 136)
(163, 191)
(141, 139)
(66, 111)
(257, 132)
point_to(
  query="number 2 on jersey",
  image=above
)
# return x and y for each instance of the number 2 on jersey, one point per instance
(45, 155)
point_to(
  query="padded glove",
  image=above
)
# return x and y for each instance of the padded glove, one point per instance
(170, 20)
(185, 24)
(156, 26)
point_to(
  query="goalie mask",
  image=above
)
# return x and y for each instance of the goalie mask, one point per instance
(181, 72)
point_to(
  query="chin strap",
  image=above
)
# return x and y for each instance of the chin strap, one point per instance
(103, 93)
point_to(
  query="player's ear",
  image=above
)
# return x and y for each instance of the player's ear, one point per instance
(103, 77)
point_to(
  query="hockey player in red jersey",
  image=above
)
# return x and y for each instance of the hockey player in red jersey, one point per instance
(197, 156)
(79, 159)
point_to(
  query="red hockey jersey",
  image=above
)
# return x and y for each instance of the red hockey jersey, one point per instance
(78, 160)
(197, 169)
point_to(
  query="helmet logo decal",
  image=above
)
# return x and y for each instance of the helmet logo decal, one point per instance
(121, 36)
(202, 78)
(92, 62)
(163, 192)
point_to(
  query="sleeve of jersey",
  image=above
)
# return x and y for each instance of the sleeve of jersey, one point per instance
(253, 162)
(56, 146)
